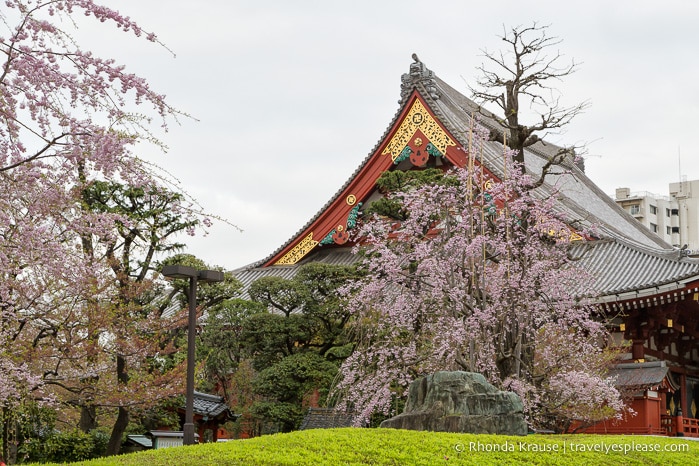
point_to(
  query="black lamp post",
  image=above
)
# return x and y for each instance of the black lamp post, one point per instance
(194, 275)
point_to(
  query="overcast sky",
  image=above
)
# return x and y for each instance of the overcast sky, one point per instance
(290, 96)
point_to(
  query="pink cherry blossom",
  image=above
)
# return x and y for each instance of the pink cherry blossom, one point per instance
(70, 119)
(475, 279)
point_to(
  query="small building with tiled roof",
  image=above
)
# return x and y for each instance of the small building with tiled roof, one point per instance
(210, 413)
(651, 287)
(652, 391)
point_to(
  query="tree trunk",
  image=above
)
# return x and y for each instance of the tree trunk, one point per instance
(88, 418)
(518, 353)
(122, 421)
(9, 437)
(5, 434)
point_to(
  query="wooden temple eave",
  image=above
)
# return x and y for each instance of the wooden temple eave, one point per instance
(416, 134)
(648, 297)
(664, 326)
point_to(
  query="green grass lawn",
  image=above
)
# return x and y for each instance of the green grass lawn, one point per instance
(402, 447)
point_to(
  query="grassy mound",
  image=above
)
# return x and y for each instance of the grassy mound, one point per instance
(401, 447)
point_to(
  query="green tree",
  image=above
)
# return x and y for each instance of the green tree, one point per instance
(290, 335)
(221, 347)
(287, 385)
(112, 351)
(396, 181)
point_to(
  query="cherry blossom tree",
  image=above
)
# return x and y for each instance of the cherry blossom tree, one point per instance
(477, 276)
(73, 281)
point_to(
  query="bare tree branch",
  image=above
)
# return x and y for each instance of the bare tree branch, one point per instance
(524, 74)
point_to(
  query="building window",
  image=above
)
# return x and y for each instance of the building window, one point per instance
(675, 211)
(653, 210)
(635, 209)
(676, 230)
(669, 230)
(653, 227)
(667, 212)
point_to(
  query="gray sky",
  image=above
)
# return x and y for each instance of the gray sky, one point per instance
(290, 96)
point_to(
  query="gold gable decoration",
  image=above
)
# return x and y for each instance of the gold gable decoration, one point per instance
(564, 234)
(300, 250)
(418, 117)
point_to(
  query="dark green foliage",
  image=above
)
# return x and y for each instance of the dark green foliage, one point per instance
(69, 446)
(387, 207)
(271, 337)
(288, 383)
(398, 181)
(277, 416)
(323, 303)
(278, 293)
(339, 352)
(306, 313)
(300, 373)
(290, 335)
(222, 347)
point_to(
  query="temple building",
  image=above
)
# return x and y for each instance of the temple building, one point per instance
(651, 287)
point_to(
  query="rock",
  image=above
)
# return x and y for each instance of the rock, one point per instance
(460, 402)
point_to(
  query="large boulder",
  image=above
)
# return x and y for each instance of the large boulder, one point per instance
(460, 402)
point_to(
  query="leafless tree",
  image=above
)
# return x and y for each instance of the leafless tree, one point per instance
(524, 74)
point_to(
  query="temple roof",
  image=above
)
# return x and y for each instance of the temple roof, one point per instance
(332, 256)
(643, 375)
(627, 261)
(623, 270)
(211, 406)
(580, 200)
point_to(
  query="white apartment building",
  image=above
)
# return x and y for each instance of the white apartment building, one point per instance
(687, 195)
(675, 218)
(660, 214)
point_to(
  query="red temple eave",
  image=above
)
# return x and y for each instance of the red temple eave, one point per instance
(692, 284)
(336, 213)
(653, 296)
(360, 187)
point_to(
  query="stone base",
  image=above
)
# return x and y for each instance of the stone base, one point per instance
(460, 402)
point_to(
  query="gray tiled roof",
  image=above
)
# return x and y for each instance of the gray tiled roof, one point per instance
(642, 375)
(210, 405)
(328, 255)
(628, 258)
(619, 267)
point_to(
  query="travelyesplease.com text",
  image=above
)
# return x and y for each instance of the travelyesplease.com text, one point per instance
(569, 447)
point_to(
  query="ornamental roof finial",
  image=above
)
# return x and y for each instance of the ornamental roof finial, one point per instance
(419, 75)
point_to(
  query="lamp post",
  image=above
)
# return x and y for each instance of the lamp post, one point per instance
(194, 275)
